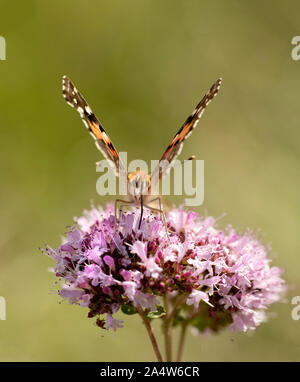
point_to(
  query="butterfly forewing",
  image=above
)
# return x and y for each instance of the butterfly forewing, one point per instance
(103, 143)
(175, 147)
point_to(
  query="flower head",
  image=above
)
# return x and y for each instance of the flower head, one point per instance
(221, 278)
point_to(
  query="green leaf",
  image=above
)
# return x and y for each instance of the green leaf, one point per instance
(178, 319)
(160, 312)
(128, 309)
(201, 322)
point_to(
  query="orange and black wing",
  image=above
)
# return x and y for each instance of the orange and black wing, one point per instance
(175, 147)
(102, 140)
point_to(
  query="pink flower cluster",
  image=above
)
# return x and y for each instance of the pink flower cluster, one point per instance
(222, 278)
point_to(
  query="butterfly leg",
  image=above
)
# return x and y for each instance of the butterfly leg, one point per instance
(116, 204)
(162, 213)
(121, 208)
(160, 210)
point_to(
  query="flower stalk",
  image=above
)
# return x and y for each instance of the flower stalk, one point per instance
(181, 341)
(151, 334)
(167, 330)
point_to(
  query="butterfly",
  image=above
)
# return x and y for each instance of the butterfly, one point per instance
(139, 184)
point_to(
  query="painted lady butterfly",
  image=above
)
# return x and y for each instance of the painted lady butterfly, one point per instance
(139, 183)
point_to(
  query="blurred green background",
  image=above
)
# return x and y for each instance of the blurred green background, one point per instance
(143, 65)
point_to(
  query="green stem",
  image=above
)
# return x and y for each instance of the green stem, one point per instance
(181, 341)
(168, 324)
(151, 334)
(167, 331)
(177, 305)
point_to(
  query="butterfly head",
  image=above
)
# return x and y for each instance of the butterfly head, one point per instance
(138, 184)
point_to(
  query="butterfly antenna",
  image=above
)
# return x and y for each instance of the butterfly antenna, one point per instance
(184, 160)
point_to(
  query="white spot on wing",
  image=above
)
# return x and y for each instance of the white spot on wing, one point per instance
(93, 136)
(88, 109)
(105, 136)
(86, 124)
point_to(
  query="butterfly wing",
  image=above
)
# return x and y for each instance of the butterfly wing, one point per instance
(102, 140)
(175, 147)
